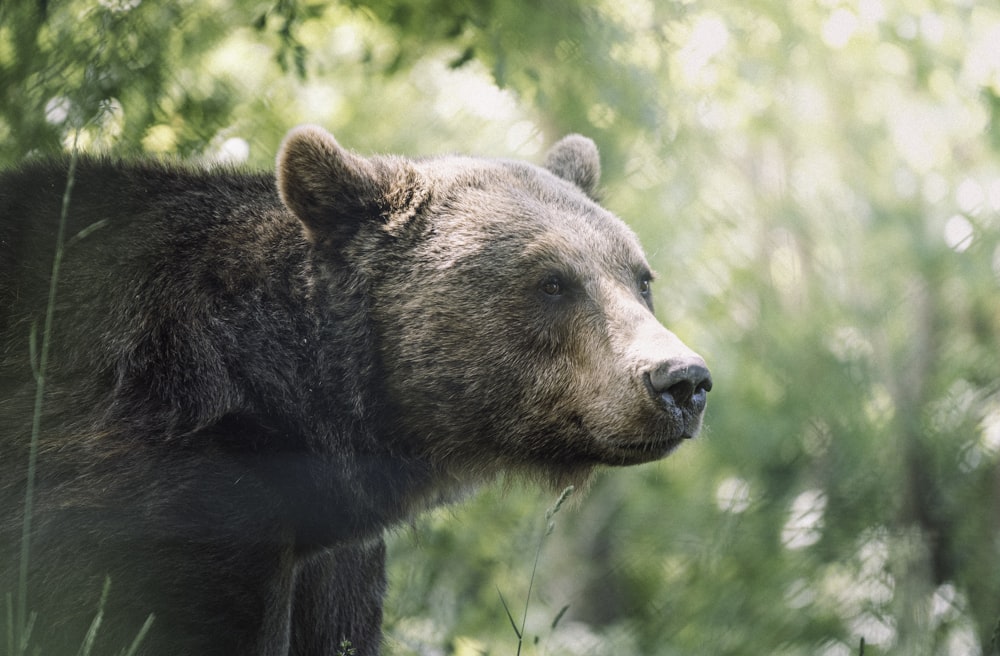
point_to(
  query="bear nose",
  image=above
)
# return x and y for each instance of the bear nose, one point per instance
(686, 380)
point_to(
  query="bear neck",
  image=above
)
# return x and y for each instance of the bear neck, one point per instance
(327, 437)
(273, 360)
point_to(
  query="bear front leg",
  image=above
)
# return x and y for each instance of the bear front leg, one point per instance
(193, 538)
(207, 598)
(338, 601)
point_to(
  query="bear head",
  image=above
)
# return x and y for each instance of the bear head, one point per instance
(514, 314)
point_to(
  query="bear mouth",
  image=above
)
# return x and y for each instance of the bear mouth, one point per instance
(670, 426)
(632, 452)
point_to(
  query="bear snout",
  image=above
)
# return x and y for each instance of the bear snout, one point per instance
(681, 382)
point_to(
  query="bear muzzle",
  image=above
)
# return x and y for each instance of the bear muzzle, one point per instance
(681, 385)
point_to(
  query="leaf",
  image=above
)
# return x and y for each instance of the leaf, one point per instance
(467, 55)
(299, 54)
(559, 616)
(510, 617)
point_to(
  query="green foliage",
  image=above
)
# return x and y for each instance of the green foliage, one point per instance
(818, 184)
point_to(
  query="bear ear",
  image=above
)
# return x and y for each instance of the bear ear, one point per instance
(575, 158)
(333, 191)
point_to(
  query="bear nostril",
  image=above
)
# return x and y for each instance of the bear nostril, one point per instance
(682, 391)
(685, 381)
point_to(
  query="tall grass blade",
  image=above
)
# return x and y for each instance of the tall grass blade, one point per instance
(134, 647)
(43, 356)
(29, 625)
(10, 624)
(95, 625)
(510, 616)
(549, 527)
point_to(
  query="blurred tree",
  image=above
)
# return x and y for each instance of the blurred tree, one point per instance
(818, 183)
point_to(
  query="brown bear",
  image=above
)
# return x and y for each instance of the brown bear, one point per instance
(250, 377)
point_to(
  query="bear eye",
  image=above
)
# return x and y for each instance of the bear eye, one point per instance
(552, 286)
(646, 289)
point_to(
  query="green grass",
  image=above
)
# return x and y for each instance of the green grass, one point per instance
(550, 526)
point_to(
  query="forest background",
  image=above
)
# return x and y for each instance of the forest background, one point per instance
(817, 183)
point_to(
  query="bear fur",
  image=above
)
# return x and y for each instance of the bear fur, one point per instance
(250, 377)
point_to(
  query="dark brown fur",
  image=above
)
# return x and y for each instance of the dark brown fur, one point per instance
(249, 381)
